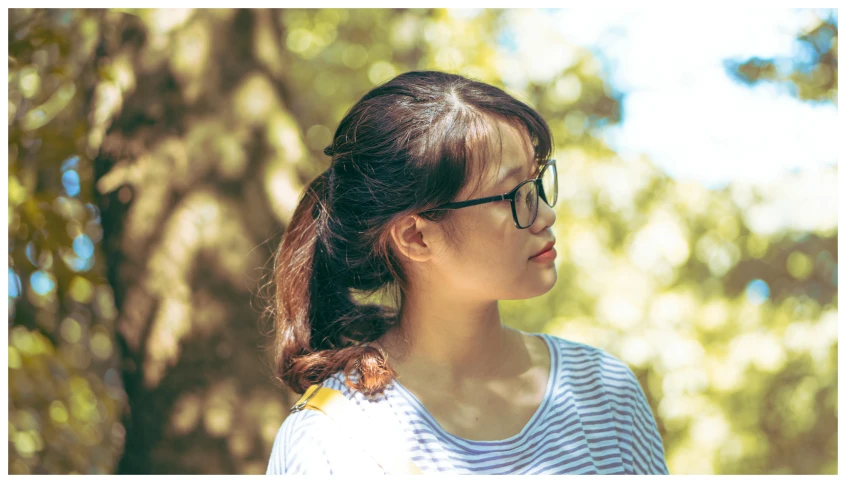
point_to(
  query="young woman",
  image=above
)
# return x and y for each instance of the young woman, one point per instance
(440, 193)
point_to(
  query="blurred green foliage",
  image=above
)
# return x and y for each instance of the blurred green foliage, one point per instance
(810, 76)
(155, 157)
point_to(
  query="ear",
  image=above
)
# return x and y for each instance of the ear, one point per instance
(412, 237)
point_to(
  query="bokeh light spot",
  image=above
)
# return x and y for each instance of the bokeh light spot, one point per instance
(70, 181)
(101, 345)
(756, 246)
(567, 89)
(354, 56)
(31, 254)
(22, 339)
(318, 137)
(299, 40)
(757, 291)
(42, 282)
(14, 358)
(81, 290)
(94, 212)
(380, 72)
(29, 81)
(105, 304)
(75, 263)
(24, 443)
(799, 265)
(83, 246)
(58, 412)
(70, 163)
(14, 284)
(71, 330)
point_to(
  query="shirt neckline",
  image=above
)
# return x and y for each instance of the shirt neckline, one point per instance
(537, 416)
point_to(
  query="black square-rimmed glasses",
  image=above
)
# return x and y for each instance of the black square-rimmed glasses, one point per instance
(524, 196)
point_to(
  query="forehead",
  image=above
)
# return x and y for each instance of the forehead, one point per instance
(517, 150)
(502, 149)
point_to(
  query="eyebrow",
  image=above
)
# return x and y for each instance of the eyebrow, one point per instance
(514, 171)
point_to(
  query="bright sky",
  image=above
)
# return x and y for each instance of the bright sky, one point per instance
(683, 110)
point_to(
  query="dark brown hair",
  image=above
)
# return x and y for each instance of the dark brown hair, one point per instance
(403, 148)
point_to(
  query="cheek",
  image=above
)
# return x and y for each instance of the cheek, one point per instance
(488, 235)
(492, 261)
(491, 253)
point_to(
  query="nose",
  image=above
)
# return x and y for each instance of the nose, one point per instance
(545, 218)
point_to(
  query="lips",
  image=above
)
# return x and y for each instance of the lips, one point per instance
(545, 249)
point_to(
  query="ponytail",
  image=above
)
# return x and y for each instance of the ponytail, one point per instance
(320, 329)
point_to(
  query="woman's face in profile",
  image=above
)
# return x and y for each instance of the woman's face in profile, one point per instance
(489, 259)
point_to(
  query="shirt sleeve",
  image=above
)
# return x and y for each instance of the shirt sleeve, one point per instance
(297, 450)
(310, 443)
(647, 446)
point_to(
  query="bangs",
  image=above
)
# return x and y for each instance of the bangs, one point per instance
(485, 153)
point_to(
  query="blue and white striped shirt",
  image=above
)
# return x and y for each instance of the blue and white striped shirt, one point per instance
(594, 419)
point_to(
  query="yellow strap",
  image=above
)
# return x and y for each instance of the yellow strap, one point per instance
(386, 449)
(320, 400)
(306, 395)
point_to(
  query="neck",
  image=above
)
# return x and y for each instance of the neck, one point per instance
(448, 338)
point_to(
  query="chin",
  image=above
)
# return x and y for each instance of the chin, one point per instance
(548, 280)
(541, 284)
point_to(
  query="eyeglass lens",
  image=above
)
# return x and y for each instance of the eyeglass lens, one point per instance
(526, 199)
(549, 183)
(526, 203)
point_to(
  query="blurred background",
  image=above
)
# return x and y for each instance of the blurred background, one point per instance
(155, 157)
